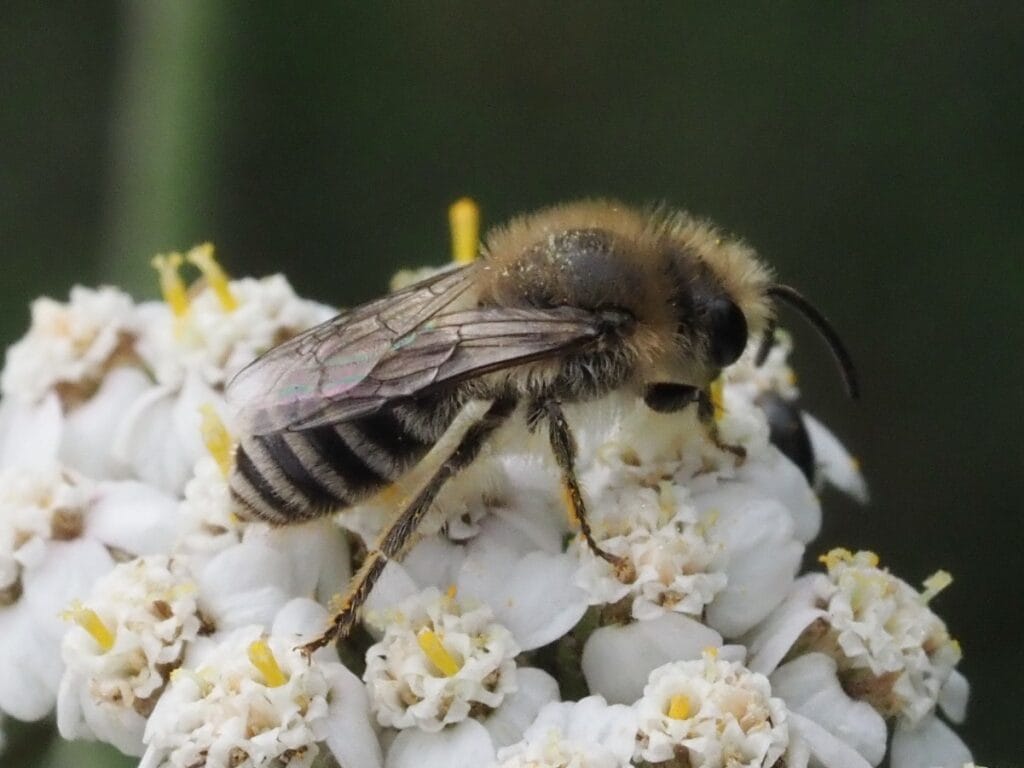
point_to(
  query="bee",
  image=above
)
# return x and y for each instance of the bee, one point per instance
(563, 306)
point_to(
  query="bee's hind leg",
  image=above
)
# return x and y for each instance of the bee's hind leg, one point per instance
(392, 541)
(563, 445)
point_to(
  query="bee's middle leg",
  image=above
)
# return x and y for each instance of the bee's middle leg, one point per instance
(392, 541)
(563, 445)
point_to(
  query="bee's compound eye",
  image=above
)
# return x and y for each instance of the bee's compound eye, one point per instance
(728, 329)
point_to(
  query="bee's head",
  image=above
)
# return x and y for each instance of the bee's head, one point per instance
(725, 296)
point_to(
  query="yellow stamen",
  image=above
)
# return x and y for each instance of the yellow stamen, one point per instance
(679, 707)
(171, 285)
(711, 652)
(464, 220)
(202, 257)
(263, 659)
(451, 592)
(90, 621)
(433, 649)
(834, 557)
(934, 584)
(717, 390)
(216, 438)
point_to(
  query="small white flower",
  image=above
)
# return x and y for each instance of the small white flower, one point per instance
(439, 663)
(58, 534)
(70, 347)
(209, 522)
(253, 700)
(584, 734)
(889, 648)
(696, 535)
(128, 638)
(717, 712)
(445, 663)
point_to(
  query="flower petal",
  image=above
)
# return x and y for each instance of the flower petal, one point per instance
(932, 744)
(763, 558)
(533, 595)
(245, 584)
(809, 685)
(835, 464)
(618, 659)
(352, 739)
(769, 643)
(466, 743)
(827, 750)
(133, 517)
(90, 429)
(508, 722)
(30, 434)
(780, 479)
(953, 696)
(318, 555)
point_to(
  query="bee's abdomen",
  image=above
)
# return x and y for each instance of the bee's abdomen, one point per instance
(289, 477)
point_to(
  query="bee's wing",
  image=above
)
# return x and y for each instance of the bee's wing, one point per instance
(291, 382)
(454, 347)
(359, 362)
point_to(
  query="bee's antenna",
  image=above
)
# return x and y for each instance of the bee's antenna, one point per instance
(795, 299)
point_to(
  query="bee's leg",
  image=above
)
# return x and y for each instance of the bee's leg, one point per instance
(563, 445)
(706, 413)
(393, 539)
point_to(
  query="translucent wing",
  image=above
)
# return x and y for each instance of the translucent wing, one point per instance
(398, 346)
(291, 381)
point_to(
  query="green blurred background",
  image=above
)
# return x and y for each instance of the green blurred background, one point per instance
(873, 153)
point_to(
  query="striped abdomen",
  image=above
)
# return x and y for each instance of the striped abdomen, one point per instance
(289, 477)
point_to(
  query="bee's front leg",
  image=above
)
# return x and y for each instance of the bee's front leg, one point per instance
(563, 446)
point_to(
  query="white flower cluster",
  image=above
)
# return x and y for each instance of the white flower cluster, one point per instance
(135, 601)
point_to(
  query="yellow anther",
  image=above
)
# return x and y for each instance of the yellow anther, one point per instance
(451, 592)
(90, 621)
(791, 378)
(934, 584)
(711, 653)
(263, 659)
(679, 707)
(171, 285)
(464, 220)
(216, 438)
(434, 650)
(834, 557)
(202, 257)
(717, 391)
